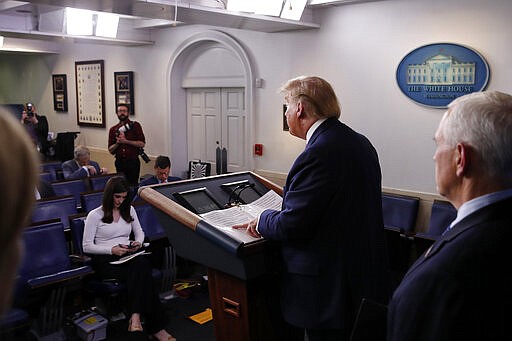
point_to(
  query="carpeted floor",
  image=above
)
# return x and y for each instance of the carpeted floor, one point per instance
(191, 301)
(179, 325)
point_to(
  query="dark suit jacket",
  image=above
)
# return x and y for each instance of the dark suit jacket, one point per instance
(460, 289)
(41, 129)
(153, 180)
(331, 230)
(39, 133)
(72, 170)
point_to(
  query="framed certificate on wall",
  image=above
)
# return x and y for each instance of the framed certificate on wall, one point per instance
(90, 93)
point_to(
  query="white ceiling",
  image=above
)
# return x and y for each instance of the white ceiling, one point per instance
(43, 19)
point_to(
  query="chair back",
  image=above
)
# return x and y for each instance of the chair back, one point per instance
(91, 200)
(71, 187)
(148, 221)
(76, 227)
(442, 214)
(54, 208)
(47, 176)
(46, 250)
(54, 168)
(99, 181)
(400, 212)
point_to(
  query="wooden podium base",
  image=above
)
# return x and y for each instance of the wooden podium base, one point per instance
(240, 308)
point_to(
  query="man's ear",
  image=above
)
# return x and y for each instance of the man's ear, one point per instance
(300, 110)
(462, 159)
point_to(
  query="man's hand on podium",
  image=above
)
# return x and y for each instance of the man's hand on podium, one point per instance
(250, 228)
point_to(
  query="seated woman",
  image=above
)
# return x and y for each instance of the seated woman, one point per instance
(107, 238)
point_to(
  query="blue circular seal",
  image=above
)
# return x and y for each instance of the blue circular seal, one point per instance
(436, 74)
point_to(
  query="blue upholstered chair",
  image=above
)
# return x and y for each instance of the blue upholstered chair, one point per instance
(46, 176)
(163, 254)
(55, 208)
(14, 324)
(91, 200)
(441, 215)
(148, 221)
(54, 168)
(72, 187)
(45, 274)
(399, 214)
(99, 181)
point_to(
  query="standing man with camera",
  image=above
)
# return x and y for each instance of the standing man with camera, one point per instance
(125, 141)
(37, 127)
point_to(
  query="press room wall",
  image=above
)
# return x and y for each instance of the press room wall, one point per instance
(357, 49)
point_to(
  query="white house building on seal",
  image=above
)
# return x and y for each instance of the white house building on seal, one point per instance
(441, 70)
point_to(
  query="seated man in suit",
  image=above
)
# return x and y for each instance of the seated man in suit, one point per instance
(162, 170)
(81, 166)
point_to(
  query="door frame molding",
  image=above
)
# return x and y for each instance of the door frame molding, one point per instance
(177, 102)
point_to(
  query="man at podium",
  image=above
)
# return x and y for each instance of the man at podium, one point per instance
(330, 227)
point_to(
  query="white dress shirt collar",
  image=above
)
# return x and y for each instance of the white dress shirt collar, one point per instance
(313, 128)
(477, 203)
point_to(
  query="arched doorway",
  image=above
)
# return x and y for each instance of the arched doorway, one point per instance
(179, 64)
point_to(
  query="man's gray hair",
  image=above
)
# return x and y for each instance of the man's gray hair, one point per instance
(483, 120)
(81, 151)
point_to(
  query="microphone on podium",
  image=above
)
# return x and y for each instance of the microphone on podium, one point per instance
(236, 196)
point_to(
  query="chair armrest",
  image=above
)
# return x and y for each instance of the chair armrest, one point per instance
(80, 259)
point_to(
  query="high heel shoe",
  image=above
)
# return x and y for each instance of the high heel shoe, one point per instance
(134, 327)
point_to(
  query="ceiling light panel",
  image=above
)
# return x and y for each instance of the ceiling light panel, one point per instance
(106, 25)
(293, 9)
(240, 6)
(78, 22)
(268, 7)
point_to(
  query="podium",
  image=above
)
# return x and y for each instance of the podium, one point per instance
(242, 277)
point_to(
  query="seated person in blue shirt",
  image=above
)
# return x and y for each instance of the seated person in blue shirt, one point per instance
(81, 166)
(162, 170)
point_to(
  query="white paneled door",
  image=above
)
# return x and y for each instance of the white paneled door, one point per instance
(216, 118)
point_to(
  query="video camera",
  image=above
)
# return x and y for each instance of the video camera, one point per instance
(126, 127)
(30, 109)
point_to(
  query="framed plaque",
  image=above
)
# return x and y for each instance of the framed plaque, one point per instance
(90, 93)
(60, 93)
(124, 89)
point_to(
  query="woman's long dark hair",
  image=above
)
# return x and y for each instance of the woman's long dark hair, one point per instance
(116, 184)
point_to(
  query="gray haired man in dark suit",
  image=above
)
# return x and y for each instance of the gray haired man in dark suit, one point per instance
(460, 289)
(81, 166)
